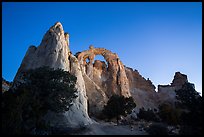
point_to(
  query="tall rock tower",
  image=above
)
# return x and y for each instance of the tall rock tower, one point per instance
(54, 52)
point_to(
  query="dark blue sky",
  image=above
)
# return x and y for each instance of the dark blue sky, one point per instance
(157, 39)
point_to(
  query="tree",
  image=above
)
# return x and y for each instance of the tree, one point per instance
(44, 89)
(188, 97)
(191, 102)
(118, 105)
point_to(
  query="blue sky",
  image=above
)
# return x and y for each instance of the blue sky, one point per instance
(156, 38)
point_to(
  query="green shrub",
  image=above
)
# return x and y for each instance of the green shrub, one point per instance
(147, 115)
(118, 105)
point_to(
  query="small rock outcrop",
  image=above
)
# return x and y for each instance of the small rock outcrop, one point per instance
(5, 85)
(179, 80)
(166, 93)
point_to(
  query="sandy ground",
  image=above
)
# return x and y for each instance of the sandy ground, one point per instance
(104, 128)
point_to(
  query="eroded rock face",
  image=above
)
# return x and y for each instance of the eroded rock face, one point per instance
(116, 79)
(137, 81)
(166, 93)
(179, 80)
(54, 52)
(142, 90)
(101, 80)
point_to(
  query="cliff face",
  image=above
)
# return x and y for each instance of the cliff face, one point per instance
(54, 52)
(142, 90)
(137, 81)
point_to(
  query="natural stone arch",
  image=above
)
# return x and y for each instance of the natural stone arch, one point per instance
(90, 54)
(118, 81)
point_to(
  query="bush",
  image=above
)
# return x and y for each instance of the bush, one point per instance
(147, 115)
(169, 114)
(118, 105)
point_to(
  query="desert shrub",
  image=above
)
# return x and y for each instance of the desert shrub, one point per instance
(118, 105)
(169, 114)
(147, 115)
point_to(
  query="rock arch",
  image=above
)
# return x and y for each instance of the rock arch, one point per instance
(117, 80)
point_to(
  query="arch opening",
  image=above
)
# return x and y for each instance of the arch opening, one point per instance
(101, 59)
(87, 60)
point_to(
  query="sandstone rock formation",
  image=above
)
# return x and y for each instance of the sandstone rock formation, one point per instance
(166, 93)
(102, 81)
(54, 52)
(137, 81)
(179, 80)
(117, 80)
(142, 90)
(96, 80)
